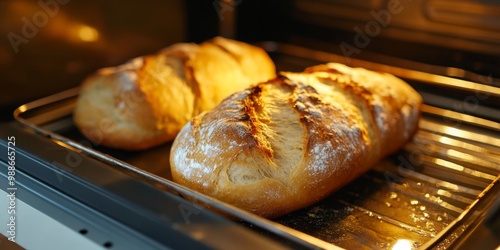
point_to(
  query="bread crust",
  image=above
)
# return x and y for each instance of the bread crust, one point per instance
(290, 142)
(146, 101)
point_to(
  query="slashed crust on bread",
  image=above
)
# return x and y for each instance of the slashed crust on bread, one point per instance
(146, 101)
(289, 142)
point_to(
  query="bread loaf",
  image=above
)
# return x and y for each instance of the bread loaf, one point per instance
(287, 143)
(146, 101)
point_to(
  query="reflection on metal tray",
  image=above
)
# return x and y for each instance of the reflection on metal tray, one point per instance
(426, 195)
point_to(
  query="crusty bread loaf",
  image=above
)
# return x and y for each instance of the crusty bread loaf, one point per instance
(146, 101)
(287, 143)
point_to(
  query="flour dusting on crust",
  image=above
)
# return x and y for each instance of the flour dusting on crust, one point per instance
(284, 144)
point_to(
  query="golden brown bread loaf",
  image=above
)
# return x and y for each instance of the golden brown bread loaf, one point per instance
(146, 101)
(288, 143)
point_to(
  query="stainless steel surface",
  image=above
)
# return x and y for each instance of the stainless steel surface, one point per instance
(463, 25)
(53, 235)
(422, 196)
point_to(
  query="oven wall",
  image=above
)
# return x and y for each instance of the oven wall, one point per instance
(51, 45)
(463, 33)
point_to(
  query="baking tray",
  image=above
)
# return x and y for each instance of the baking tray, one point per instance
(425, 196)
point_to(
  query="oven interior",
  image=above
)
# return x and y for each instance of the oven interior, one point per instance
(437, 192)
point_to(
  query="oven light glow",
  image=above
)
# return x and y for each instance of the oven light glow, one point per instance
(87, 33)
(402, 244)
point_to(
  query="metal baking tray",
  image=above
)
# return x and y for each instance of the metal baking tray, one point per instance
(425, 196)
